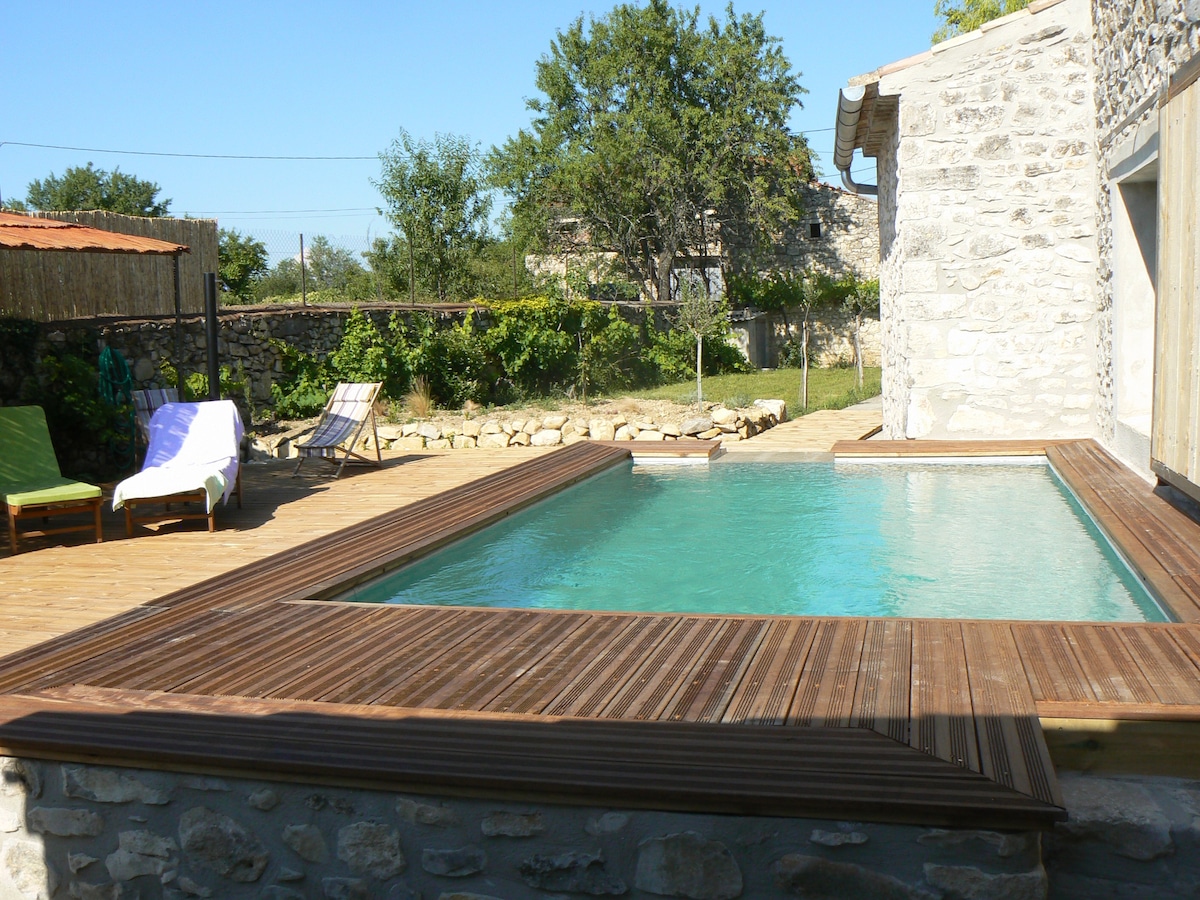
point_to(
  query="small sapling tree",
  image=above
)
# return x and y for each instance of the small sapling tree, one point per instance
(700, 314)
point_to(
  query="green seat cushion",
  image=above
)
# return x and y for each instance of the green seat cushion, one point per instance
(58, 490)
(26, 454)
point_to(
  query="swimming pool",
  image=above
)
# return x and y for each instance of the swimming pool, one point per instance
(812, 539)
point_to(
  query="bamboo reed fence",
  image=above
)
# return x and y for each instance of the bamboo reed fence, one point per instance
(49, 286)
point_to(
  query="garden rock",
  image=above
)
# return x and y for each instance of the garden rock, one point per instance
(520, 439)
(457, 863)
(709, 434)
(464, 442)
(814, 878)
(370, 848)
(554, 422)
(777, 409)
(573, 872)
(1121, 814)
(602, 430)
(547, 438)
(723, 416)
(671, 430)
(65, 822)
(649, 436)
(973, 884)
(429, 431)
(426, 814)
(221, 844)
(506, 824)
(493, 440)
(307, 842)
(109, 786)
(687, 865)
(140, 853)
(25, 864)
(625, 433)
(488, 428)
(471, 428)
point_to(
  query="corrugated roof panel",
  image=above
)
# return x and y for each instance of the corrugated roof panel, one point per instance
(18, 232)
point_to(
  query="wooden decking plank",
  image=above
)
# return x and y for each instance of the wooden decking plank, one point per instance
(1011, 748)
(590, 691)
(721, 666)
(470, 659)
(1110, 673)
(398, 631)
(545, 756)
(646, 691)
(546, 678)
(1171, 673)
(506, 665)
(404, 660)
(942, 716)
(825, 696)
(917, 449)
(766, 693)
(882, 698)
(1053, 671)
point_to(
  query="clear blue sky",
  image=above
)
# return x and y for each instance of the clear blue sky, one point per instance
(335, 79)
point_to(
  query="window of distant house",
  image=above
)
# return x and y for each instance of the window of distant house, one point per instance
(814, 230)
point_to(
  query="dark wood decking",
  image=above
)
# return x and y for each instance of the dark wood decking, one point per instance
(920, 720)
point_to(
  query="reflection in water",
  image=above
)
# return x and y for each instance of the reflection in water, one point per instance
(793, 539)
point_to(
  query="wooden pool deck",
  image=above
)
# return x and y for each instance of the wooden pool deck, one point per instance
(935, 721)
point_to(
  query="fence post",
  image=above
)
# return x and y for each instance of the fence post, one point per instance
(210, 327)
(303, 274)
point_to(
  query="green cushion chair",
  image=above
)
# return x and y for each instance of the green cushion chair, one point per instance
(31, 485)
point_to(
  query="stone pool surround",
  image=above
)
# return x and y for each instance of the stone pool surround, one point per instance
(85, 831)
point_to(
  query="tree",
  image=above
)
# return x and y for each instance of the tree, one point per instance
(962, 16)
(862, 301)
(700, 313)
(89, 188)
(656, 131)
(241, 262)
(335, 268)
(439, 204)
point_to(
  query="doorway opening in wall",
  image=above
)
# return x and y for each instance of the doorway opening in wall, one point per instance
(1134, 196)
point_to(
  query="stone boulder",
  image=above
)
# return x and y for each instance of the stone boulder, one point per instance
(547, 437)
(371, 848)
(573, 872)
(686, 864)
(777, 409)
(695, 426)
(723, 416)
(602, 430)
(217, 842)
(554, 422)
(1120, 814)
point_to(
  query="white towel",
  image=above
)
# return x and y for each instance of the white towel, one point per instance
(193, 446)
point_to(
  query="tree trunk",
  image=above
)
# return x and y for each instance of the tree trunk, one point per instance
(699, 372)
(662, 274)
(804, 362)
(412, 276)
(858, 360)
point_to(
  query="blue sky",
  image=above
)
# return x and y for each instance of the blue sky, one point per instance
(309, 79)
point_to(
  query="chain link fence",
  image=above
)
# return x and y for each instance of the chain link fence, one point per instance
(336, 267)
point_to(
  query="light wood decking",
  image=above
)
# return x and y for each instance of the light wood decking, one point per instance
(918, 720)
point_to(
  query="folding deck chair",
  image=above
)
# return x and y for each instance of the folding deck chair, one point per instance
(193, 457)
(340, 426)
(146, 403)
(31, 485)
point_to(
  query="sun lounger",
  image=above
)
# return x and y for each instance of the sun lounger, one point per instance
(31, 485)
(341, 424)
(146, 403)
(192, 458)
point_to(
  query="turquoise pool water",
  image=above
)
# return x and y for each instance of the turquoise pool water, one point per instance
(944, 541)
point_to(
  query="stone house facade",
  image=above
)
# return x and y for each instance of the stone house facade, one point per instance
(1018, 205)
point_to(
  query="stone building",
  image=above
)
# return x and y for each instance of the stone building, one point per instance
(987, 176)
(1018, 171)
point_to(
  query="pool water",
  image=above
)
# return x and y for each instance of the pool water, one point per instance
(944, 541)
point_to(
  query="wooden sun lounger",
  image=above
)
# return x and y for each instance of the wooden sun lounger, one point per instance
(340, 426)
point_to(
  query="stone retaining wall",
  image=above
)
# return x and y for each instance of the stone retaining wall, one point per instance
(718, 422)
(90, 832)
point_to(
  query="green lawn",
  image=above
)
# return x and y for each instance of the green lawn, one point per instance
(827, 388)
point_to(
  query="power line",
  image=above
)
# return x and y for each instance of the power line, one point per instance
(263, 212)
(183, 155)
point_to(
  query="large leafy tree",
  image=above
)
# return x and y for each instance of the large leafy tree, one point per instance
(961, 16)
(439, 204)
(654, 130)
(241, 263)
(91, 188)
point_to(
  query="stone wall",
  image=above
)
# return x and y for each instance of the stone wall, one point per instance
(848, 240)
(86, 831)
(1138, 46)
(988, 233)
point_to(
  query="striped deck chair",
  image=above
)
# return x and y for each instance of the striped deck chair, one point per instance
(341, 425)
(146, 403)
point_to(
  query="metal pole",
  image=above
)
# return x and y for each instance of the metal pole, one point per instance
(210, 327)
(178, 334)
(303, 274)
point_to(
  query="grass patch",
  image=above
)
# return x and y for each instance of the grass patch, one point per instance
(827, 388)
